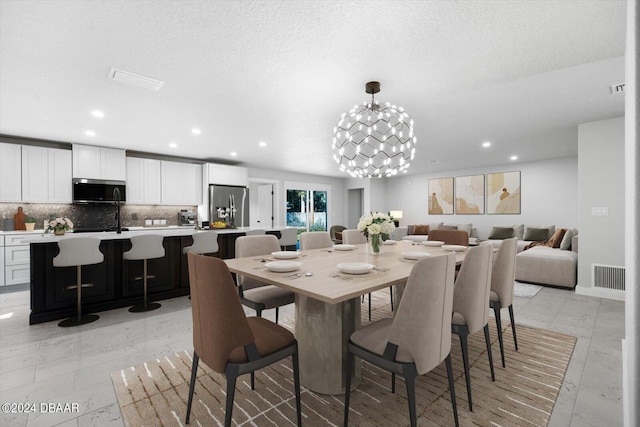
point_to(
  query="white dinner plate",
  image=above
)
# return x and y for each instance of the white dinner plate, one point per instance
(389, 242)
(343, 247)
(433, 243)
(414, 255)
(285, 254)
(454, 248)
(283, 266)
(355, 267)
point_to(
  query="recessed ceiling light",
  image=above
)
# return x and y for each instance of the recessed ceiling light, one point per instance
(262, 144)
(486, 144)
(196, 131)
(97, 113)
(233, 154)
(514, 157)
(90, 133)
(173, 145)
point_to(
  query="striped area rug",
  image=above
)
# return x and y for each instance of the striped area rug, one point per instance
(524, 393)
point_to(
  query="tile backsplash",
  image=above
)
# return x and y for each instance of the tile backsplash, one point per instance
(94, 216)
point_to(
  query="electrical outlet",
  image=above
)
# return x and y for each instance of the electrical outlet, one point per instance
(599, 211)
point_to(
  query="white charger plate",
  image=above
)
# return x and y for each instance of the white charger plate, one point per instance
(283, 266)
(390, 242)
(433, 243)
(414, 255)
(355, 267)
(344, 247)
(454, 248)
(285, 254)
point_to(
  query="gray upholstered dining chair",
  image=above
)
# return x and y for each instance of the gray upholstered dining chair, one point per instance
(253, 293)
(471, 304)
(315, 240)
(502, 281)
(204, 242)
(288, 238)
(450, 237)
(225, 339)
(355, 237)
(418, 338)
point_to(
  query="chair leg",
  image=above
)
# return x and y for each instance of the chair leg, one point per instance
(369, 307)
(253, 380)
(277, 314)
(488, 341)
(347, 391)
(465, 361)
(496, 311)
(231, 390)
(411, 397)
(192, 384)
(452, 390)
(145, 306)
(391, 296)
(258, 313)
(296, 385)
(393, 382)
(513, 326)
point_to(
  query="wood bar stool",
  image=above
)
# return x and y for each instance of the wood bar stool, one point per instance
(145, 247)
(77, 252)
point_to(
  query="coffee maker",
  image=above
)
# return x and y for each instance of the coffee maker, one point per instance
(186, 217)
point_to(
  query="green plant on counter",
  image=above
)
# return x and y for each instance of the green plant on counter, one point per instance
(29, 219)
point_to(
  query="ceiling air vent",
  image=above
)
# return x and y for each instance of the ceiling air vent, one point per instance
(619, 88)
(133, 79)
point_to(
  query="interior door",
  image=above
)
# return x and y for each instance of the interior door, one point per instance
(265, 205)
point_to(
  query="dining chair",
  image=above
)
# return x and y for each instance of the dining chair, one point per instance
(418, 338)
(502, 281)
(253, 293)
(225, 339)
(145, 247)
(471, 304)
(450, 237)
(204, 242)
(288, 238)
(336, 229)
(355, 237)
(315, 240)
(77, 252)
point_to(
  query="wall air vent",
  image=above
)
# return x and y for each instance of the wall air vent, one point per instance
(133, 79)
(608, 277)
(619, 88)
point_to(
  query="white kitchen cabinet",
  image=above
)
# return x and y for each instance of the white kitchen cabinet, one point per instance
(181, 183)
(99, 163)
(46, 174)
(226, 175)
(10, 172)
(1, 260)
(17, 268)
(144, 181)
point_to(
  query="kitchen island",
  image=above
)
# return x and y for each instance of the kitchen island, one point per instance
(114, 284)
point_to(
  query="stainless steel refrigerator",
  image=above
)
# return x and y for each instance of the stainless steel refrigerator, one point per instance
(229, 204)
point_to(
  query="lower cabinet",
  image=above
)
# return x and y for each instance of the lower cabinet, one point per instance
(16, 260)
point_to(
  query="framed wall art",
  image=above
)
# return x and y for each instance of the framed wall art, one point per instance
(441, 196)
(503, 193)
(469, 195)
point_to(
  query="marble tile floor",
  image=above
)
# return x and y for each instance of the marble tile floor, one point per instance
(44, 363)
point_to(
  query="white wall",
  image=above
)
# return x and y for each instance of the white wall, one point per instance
(549, 196)
(601, 176)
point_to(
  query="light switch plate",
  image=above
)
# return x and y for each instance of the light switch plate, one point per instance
(600, 211)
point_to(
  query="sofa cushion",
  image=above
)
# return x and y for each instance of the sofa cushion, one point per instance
(547, 266)
(466, 227)
(449, 227)
(501, 233)
(420, 229)
(518, 230)
(535, 234)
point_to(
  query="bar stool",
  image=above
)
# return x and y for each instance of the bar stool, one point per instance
(77, 252)
(145, 247)
(205, 242)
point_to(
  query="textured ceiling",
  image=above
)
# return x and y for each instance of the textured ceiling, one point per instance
(522, 74)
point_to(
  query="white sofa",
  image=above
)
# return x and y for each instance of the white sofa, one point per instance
(549, 266)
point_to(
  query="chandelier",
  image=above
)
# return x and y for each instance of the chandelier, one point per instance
(374, 139)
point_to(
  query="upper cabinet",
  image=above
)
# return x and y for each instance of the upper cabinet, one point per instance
(226, 175)
(99, 163)
(181, 183)
(10, 172)
(144, 182)
(46, 175)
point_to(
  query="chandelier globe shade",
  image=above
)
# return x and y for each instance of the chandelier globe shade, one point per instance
(374, 139)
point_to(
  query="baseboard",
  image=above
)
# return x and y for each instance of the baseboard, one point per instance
(600, 293)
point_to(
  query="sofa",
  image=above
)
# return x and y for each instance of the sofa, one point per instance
(420, 232)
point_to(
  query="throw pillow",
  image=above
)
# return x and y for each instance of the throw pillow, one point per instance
(565, 245)
(448, 227)
(556, 239)
(518, 231)
(536, 234)
(421, 229)
(466, 227)
(501, 233)
(435, 225)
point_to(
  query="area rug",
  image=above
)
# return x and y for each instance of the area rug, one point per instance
(154, 393)
(525, 290)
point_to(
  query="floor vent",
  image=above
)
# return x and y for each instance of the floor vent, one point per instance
(608, 277)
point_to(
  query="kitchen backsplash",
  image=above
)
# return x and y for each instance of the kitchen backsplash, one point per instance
(94, 216)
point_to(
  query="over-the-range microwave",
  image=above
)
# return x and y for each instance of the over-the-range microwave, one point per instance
(98, 191)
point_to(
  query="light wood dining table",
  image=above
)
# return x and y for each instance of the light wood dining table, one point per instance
(328, 302)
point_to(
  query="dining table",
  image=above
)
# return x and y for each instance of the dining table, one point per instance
(327, 300)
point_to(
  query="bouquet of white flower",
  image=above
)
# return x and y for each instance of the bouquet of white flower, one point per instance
(59, 224)
(376, 226)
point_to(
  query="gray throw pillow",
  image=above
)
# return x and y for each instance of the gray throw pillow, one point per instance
(501, 233)
(532, 234)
